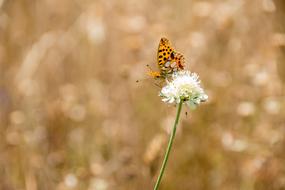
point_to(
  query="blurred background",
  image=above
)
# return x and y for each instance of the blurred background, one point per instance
(72, 115)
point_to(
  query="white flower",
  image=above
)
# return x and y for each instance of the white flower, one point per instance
(185, 86)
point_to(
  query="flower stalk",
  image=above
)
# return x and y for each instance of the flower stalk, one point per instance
(169, 146)
(183, 88)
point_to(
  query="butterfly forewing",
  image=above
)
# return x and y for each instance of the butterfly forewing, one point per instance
(164, 52)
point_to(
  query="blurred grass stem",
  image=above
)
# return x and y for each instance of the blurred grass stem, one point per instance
(169, 146)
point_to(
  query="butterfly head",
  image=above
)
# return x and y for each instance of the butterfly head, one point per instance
(154, 74)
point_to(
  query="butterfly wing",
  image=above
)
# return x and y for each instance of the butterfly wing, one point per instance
(163, 52)
(168, 60)
(177, 61)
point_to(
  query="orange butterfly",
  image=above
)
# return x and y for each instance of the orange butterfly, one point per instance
(168, 60)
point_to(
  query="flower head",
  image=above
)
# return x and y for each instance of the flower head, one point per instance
(184, 86)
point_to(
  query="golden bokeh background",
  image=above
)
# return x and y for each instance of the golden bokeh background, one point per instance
(73, 117)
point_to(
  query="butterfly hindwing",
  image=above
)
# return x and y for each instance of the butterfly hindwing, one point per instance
(179, 59)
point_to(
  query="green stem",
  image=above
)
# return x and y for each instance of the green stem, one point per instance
(170, 142)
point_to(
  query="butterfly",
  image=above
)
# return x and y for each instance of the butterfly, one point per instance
(168, 60)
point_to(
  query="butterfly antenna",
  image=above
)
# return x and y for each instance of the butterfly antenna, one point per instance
(142, 80)
(149, 67)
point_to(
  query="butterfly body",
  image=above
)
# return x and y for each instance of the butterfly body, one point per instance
(168, 60)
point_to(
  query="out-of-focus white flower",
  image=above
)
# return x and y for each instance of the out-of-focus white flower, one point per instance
(70, 180)
(246, 108)
(184, 86)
